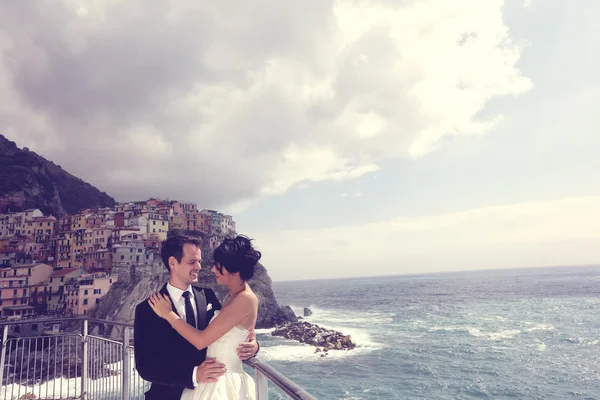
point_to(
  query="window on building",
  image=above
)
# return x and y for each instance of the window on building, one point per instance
(85, 301)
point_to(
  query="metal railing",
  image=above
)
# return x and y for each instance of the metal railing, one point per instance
(81, 365)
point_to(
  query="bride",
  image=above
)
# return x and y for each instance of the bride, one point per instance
(235, 261)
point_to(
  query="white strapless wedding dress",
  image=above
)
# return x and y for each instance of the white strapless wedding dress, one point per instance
(235, 384)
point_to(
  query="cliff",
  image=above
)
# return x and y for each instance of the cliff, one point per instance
(136, 283)
(45, 185)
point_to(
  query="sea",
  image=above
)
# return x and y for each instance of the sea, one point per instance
(506, 334)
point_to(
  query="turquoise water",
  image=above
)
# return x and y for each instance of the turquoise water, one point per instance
(518, 334)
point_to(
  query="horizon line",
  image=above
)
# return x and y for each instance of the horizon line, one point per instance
(440, 272)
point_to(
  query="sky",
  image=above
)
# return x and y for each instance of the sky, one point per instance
(349, 138)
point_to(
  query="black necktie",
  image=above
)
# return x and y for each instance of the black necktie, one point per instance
(190, 318)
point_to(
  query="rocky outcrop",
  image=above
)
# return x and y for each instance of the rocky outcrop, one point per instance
(42, 184)
(307, 312)
(323, 339)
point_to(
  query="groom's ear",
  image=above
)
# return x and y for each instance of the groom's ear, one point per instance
(172, 262)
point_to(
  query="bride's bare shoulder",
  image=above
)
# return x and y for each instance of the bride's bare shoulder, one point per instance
(248, 296)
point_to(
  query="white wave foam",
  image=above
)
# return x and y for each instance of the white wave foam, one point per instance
(493, 334)
(71, 387)
(541, 346)
(298, 310)
(290, 350)
(477, 332)
(506, 334)
(451, 328)
(266, 331)
(343, 321)
(364, 344)
(540, 327)
(348, 322)
(474, 332)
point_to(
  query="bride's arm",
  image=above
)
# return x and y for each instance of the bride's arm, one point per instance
(231, 316)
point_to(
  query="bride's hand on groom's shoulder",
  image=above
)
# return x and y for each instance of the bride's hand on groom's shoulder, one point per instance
(161, 304)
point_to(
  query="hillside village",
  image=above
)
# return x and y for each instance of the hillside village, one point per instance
(64, 265)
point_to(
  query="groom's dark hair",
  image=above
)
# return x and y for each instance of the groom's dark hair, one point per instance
(173, 247)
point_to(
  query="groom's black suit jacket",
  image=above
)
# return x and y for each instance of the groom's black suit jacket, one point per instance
(162, 356)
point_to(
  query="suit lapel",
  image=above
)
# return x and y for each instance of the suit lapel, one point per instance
(200, 307)
(165, 291)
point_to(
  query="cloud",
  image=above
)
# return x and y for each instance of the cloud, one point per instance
(197, 100)
(560, 232)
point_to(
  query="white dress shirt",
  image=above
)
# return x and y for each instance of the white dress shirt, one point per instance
(179, 303)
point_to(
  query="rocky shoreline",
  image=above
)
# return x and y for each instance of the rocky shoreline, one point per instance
(314, 335)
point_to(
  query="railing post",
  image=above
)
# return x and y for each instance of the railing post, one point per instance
(262, 385)
(3, 352)
(126, 371)
(84, 364)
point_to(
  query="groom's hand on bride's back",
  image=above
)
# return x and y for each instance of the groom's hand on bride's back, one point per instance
(247, 350)
(209, 371)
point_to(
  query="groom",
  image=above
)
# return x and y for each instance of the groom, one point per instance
(162, 356)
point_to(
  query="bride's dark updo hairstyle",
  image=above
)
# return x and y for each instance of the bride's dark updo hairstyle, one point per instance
(237, 255)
